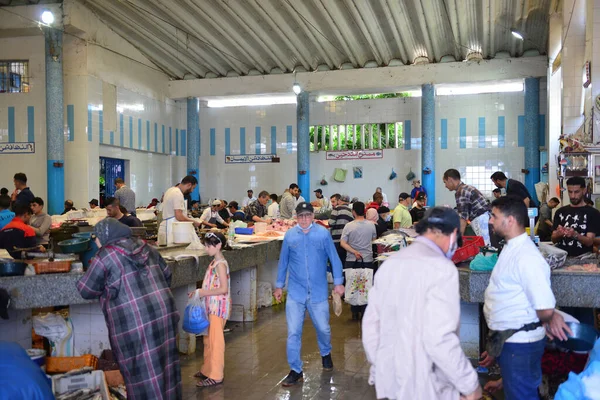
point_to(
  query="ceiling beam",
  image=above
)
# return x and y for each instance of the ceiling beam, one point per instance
(370, 80)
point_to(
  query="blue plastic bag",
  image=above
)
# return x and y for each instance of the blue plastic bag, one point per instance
(575, 388)
(194, 318)
(483, 263)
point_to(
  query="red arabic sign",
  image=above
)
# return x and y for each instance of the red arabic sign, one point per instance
(354, 155)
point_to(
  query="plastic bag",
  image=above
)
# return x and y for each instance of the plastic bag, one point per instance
(337, 303)
(358, 283)
(195, 319)
(58, 330)
(195, 243)
(323, 181)
(393, 175)
(554, 256)
(340, 175)
(483, 263)
(264, 294)
(411, 175)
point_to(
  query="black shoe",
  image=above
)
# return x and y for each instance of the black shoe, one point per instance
(327, 363)
(292, 378)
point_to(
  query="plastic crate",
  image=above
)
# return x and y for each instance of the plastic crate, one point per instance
(58, 365)
(244, 231)
(92, 380)
(470, 249)
(53, 267)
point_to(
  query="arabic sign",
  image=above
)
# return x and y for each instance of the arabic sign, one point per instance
(249, 158)
(354, 155)
(17, 148)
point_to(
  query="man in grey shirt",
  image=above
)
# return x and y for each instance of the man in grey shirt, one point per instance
(40, 222)
(125, 196)
(288, 202)
(357, 238)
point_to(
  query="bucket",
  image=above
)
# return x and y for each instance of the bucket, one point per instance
(182, 232)
(260, 227)
(91, 252)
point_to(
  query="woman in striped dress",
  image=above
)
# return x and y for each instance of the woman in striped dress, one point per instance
(215, 290)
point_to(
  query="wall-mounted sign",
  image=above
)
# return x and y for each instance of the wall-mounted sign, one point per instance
(354, 155)
(249, 158)
(17, 148)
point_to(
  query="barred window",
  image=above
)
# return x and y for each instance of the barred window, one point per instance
(386, 135)
(14, 76)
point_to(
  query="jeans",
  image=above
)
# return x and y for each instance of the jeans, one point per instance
(295, 314)
(521, 365)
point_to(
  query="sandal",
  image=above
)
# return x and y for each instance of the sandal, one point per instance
(208, 382)
(200, 375)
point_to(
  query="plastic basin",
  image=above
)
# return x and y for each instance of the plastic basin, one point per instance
(75, 245)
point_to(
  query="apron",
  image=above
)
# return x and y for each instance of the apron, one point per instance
(213, 220)
(166, 229)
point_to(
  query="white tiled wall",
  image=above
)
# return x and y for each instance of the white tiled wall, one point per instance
(90, 333)
(17, 328)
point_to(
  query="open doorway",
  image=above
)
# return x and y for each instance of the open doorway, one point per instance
(110, 169)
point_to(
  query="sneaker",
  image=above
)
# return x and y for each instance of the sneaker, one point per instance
(292, 378)
(327, 362)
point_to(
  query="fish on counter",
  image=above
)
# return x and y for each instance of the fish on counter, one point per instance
(582, 268)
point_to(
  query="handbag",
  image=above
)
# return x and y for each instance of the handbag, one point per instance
(393, 175)
(358, 283)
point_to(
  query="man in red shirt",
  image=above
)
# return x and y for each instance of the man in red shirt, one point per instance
(18, 234)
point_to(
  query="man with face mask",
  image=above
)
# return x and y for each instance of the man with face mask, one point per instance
(414, 316)
(518, 303)
(174, 207)
(575, 225)
(305, 251)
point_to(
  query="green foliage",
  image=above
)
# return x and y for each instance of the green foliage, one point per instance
(350, 137)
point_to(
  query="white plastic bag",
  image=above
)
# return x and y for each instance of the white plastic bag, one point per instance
(358, 283)
(195, 243)
(264, 294)
(554, 256)
(58, 330)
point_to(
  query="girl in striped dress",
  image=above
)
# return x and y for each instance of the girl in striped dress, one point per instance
(215, 290)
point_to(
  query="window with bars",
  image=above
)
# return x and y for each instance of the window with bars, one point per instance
(356, 136)
(14, 76)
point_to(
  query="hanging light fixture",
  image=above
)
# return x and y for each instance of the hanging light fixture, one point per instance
(47, 17)
(297, 89)
(516, 34)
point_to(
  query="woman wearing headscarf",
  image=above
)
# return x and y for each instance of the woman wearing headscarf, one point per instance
(132, 280)
(373, 216)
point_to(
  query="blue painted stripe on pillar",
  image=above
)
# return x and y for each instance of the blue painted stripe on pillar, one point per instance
(407, 135)
(147, 135)
(199, 141)
(155, 137)
(482, 132)
(273, 140)
(501, 132)
(444, 143)
(70, 122)
(463, 133)
(130, 132)
(213, 139)
(542, 130)
(90, 122)
(521, 131)
(163, 138)
(242, 141)
(11, 124)
(184, 143)
(227, 141)
(139, 133)
(30, 124)
(176, 142)
(112, 137)
(288, 134)
(101, 127)
(170, 140)
(257, 143)
(121, 131)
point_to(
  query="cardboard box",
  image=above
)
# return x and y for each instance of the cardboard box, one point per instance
(114, 378)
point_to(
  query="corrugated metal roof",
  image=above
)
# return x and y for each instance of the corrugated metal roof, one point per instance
(214, 38)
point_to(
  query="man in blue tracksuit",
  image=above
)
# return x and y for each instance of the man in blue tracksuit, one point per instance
(305, 251)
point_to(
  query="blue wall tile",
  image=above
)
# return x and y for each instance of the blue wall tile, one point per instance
(501, 132)
(163, 138)
(147, 135)
(407, 135)
(112, 137)
(101, 126)
(242, 141)
(155, 137)
(444, 141)
(139, 133)
(213, 139)
(183, 142)
(482, 132)
(227, 141)
(131, 131)
(121, 131)
(257, 140)
(521, 131)
(11, 124)
(71, 122)
(90, 122)
(170, 140)
(288, 134)
(463, 133)
(176, 141)
(273, 140)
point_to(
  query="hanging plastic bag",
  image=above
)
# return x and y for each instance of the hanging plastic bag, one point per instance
(58, 330)
(393, 175)
(411, 175)
(337, 303)
(323, 181)
(195, 243)
(195, 319)
(358, 283)
(340, 175)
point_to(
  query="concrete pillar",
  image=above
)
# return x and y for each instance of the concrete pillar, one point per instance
(428, 141)
(532, 138)
(303, 140)
(193, 142)
(55, 144)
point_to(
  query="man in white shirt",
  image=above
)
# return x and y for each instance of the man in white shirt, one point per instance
(249, 199)
(174, 207)
(210, 217)
(518, 304)
(299, 198)
(273, 209)
(322, 201)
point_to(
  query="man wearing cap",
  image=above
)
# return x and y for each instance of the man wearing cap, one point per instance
(401, 216)
(211, 217)
(249, 199)
(340, 216)
(93, 204)
(417, 188)
(321, 201)
(305, 251)
(418, 210)
(410, 330)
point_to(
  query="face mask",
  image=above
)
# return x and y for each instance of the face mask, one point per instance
(388, 218)
(452, 248)
(307, 228)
